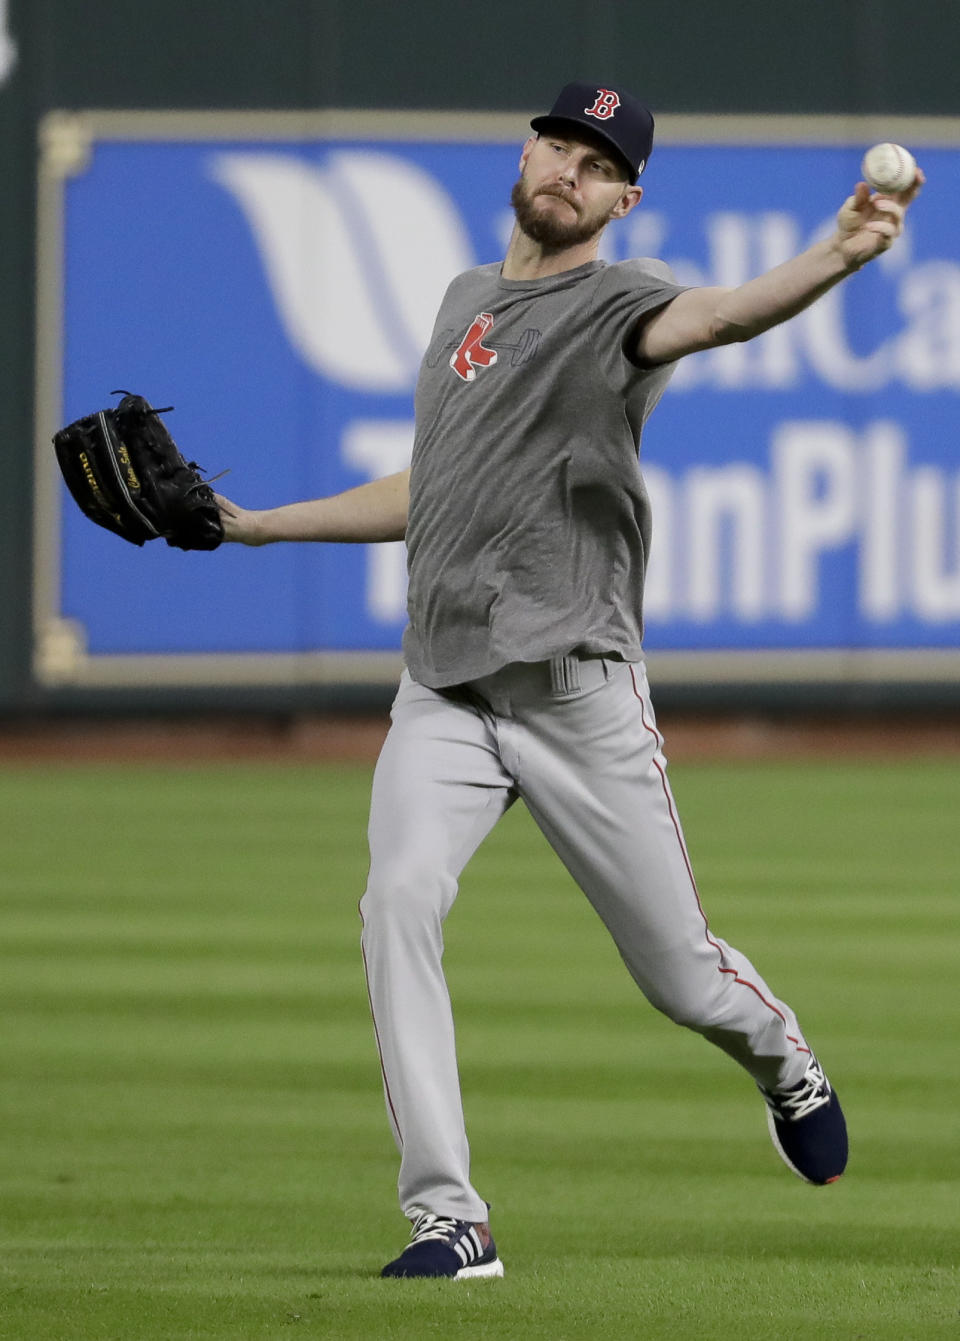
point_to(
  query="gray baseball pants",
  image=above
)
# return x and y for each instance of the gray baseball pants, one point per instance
(577, 741)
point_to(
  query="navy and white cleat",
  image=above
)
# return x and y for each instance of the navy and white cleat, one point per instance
(441, 1246)
(807, 1127)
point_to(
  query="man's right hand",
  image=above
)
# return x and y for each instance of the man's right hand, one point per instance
(239, 524)
(366, 514)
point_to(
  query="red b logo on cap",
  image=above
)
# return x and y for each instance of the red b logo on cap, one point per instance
(605, 106)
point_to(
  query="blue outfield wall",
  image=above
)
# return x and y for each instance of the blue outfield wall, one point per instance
(806, 486)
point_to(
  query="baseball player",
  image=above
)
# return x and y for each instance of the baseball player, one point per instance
(528, 533)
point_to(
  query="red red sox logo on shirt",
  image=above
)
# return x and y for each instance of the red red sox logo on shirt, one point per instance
(472, 353)
(605, 106)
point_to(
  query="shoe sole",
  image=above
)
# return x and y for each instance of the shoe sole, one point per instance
(772, 1128)
(485, 1272)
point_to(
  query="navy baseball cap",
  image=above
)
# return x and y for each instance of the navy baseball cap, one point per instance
(612, 114)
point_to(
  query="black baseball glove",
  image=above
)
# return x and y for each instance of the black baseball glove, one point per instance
(127, 474)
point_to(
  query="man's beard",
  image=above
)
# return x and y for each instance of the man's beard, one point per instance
(545, 227)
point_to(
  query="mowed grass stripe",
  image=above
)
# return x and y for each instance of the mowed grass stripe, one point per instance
(194, 1138)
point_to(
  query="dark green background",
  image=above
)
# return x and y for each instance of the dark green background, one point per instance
(885, 56)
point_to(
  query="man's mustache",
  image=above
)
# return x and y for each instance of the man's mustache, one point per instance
(560, 193)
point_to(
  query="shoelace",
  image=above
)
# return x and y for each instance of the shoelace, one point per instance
(430, 1226)
(812, 1093)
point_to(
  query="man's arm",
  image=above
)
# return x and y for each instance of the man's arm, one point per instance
(703, 318)
(368, 513)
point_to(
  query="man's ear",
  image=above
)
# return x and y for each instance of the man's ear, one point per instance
(630, 198)
(525, 151)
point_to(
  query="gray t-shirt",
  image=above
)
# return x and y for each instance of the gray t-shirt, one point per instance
(529, 524)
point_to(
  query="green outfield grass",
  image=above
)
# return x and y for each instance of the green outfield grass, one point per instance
(193, 1142)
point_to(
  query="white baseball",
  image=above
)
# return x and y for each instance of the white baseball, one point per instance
(889, 167)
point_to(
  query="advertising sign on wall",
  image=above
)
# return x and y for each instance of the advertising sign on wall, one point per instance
(277, 284)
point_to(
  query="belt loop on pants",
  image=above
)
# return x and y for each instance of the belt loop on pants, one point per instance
(564, 675)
